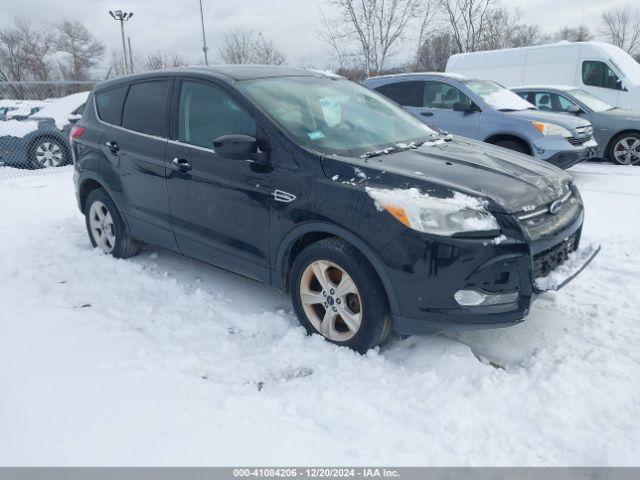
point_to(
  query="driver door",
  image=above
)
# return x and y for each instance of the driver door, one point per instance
(219, 207)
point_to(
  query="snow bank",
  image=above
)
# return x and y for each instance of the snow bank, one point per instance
(569, 268)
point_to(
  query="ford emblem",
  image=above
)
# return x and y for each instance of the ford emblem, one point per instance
(555, 207)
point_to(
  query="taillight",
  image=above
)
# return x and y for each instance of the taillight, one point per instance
(76, 132)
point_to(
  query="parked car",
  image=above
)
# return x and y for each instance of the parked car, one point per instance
(486, 111)
(617, 130)
(602, 69)
(41, 140)
(316, 185)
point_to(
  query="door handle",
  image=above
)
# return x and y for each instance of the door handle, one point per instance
(181, 164)
(113, 146)
(426, 114)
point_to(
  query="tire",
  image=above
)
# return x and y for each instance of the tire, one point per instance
(102, 215)
(48, 152)
(367, 308)
(625, 149)
(513, 145)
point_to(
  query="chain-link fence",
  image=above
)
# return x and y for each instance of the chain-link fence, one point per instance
(35, 120)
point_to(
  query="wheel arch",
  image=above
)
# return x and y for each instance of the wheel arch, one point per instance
(303, 235)
(497, 137)
(617, 135)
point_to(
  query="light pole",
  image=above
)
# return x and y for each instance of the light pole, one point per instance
(204, 38)
(122, 17)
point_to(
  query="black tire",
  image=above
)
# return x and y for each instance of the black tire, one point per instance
(612, 145)
(513, 145)
(375, 325)
(124, 246)
(65, 158)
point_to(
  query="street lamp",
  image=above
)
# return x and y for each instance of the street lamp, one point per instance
(122, 17)
(204, 38)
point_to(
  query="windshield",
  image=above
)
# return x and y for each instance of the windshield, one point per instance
(498, 97)
(594, 103)
(336, 116)
(626, 64)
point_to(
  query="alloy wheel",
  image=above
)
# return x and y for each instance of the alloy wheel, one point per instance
(627, 151)
(102, 227)
(49, 154)
(331, 300)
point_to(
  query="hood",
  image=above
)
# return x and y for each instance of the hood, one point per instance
(510, 182)
(570, 122)
(622, 114)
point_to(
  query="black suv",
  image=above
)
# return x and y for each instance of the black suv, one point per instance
(315, 185)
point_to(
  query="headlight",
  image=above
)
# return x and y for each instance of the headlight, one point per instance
(439, 216)
(551, 129)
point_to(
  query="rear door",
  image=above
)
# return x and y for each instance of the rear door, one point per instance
(137, 151)
(219, 207)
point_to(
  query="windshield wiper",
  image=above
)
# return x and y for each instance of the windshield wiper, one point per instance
(379, 153)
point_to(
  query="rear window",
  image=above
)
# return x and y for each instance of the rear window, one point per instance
(109, 104)
(145, 107)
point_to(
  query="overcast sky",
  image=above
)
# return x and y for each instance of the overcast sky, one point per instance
(174, 25)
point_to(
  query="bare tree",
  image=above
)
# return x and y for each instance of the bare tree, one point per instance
(25, 52)
(245, 46)
(369, 31)
(621, 27)
(427, 13)
(468, 21)
(435, 51)
(81, 49)
(163, 60)
(580, 33)
(503, 29)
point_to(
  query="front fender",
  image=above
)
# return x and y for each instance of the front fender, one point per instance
(278, 276)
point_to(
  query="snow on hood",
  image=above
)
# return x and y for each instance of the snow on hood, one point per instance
(497, 96)
(60, 109)
(17, 128)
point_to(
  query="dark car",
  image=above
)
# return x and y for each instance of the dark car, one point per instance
(316, 185)
(41, 139)
(617, 130)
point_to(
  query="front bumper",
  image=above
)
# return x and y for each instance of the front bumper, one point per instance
(427, 274)
(562, 154)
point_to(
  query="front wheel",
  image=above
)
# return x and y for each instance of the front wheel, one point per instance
(625, 149)
(513, 145)
(106, 228)
(337, 293)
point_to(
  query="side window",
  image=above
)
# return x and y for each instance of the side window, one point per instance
(145, 106)
(208, 112)
(542, 100)
(598, 74)
(564, 104)
(407, 94)
(442, 95)
(109, 104)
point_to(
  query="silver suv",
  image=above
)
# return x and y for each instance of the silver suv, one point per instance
(484, 110)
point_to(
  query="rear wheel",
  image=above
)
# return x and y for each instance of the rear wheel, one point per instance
(336, 293)
(106, 228)
(48, 152)
(513, 145)
(625, 149)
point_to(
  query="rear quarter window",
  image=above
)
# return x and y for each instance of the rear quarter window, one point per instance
(145, 106)
(109, 104)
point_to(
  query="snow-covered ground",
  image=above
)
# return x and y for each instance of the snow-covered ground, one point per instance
(162, 360)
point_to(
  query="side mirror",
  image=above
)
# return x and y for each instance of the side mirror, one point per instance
(465, 107)
(576, 110)
(239, 147)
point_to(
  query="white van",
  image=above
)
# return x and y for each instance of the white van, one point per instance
(602, 69)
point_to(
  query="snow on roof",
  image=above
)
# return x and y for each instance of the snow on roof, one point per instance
(59, 109)
(456, 76)
(17, 128)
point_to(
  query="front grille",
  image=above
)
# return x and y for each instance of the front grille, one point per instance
(545, 262)
(539, 222)
(578, 140)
